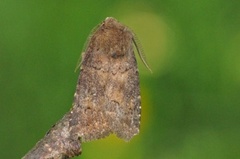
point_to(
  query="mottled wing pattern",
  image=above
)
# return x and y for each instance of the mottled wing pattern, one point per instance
(107, 98)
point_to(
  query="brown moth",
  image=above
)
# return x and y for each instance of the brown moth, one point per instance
(107, 98)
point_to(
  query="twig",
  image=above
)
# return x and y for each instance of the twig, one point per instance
(59, 142)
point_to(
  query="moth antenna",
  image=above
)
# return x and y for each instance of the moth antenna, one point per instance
(140, 52)
(80, 59)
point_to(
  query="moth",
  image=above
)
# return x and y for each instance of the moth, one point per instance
(107, 98)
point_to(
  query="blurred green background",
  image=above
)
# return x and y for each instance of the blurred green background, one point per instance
(190, 104)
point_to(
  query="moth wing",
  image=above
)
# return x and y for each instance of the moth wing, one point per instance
(107, 98)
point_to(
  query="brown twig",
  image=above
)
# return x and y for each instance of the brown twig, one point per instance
(60, 142)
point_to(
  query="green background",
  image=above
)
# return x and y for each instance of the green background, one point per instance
(190, 103)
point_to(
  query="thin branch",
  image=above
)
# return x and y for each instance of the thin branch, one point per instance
(59, 143)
